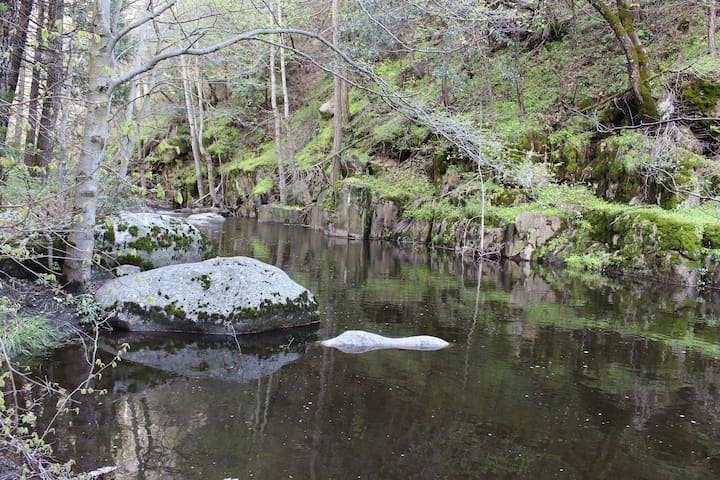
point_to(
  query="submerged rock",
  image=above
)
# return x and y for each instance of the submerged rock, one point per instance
(200, 220)
(150, 240)
(231, 295)
(359, 341)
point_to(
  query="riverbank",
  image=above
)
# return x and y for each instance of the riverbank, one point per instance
(562, 226)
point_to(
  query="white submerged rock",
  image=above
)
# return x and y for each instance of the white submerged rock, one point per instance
(359, 341)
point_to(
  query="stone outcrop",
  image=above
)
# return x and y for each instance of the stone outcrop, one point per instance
(231, 295)
(345, 214)
(287, 215)
(150, 240)
(528, 232)
(353, 211)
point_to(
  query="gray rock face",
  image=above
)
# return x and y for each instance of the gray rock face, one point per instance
(530, 231)
(359, 341)
(150, 240)
(281, 214)
(219, 296)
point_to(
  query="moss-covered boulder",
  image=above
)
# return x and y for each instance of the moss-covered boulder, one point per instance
(231, 295)
(149, 240)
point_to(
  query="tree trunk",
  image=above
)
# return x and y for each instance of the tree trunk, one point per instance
(278, 130)
(335, 172)
(289, 141)
(54, 84)
(34, 102)
(345, 96)
(63, 129)
(201, 136)
(712, 27)
(81, 242)
(187, 90)
(129, 135)
(519, 90)
(13, 37)
(638, 64)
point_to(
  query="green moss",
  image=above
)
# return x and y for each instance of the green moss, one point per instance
(134, 259)
(172, 310)
(398, 187)
(711, 236)
(702, 94)
(133, 230)
(145, 244)
(263, 186)
(109, 232)
(318, 148)
(204, 280)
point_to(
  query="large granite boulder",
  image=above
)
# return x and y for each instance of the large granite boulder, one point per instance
(231, 295)
(150, 240)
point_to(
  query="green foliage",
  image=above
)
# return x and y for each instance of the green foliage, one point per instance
(263, 186)
(400, 187)
(222, 137)
(23, 336)
(318, 148)
(252, 161)
(570, 147)
(87, 309)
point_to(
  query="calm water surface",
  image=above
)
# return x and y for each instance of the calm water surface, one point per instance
(546, 378)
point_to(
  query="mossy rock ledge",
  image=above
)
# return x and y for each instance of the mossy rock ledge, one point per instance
(230, 295)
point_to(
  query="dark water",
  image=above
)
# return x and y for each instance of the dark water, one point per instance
(547, 378)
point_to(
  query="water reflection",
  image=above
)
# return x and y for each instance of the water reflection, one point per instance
(549, 376)
(237, 359)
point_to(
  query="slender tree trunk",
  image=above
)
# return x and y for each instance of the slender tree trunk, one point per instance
(129, 137)
(54, 85)
(187, 90)
(34, 103)
(13, 38)
(712, 27)
(335, 172)
(638, 63)
(278, 130)
(487, 71)
(81, 242)
(63, 129)
(345, 96)
(519, 89)
(289, 141)
(201, 135)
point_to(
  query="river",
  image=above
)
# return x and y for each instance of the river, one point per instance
(548, 376)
